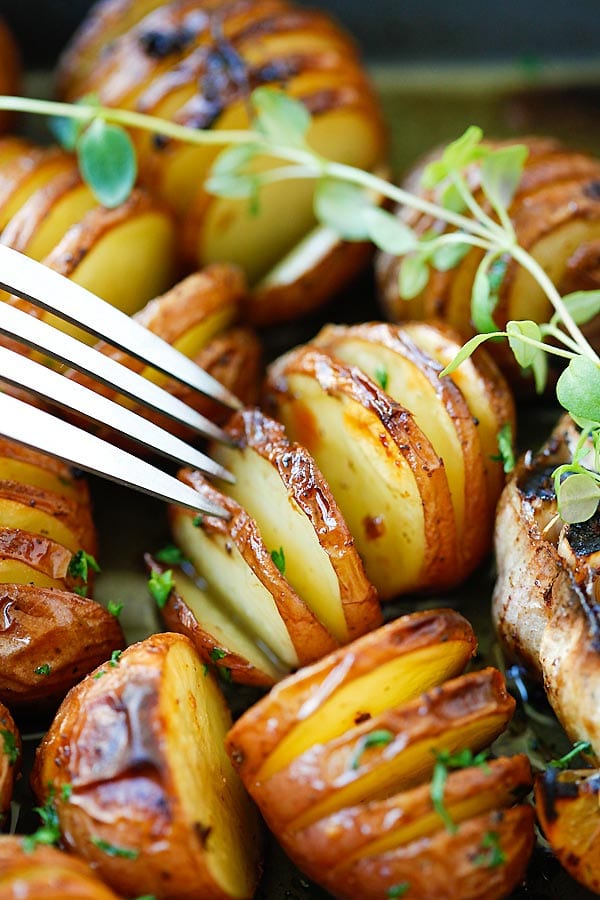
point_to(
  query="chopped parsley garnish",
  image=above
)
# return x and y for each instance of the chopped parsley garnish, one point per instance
(491, 853)
(577, 748)
(278, 557)
(114, 608)
(379, 738)
(49, 831)
(197, 520)
(398, 890)
(11, 748)
(44, 669)
(99, 674)
(160, 585)
(80, 565)
(114, 658)
(217, 653)
(113, 850)
(171, 555)
(66, 791)
(505, 453)
(444, 762)
(382, 379)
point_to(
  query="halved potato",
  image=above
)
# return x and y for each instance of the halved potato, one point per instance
(278, 484)
(383, 669)
(50, 639)
(47, 513)
(30, 873)
(241, 574)
(48, 559)
(154, 804)
(383, 471)
(10, 759)
(569, 813)
(20, 463)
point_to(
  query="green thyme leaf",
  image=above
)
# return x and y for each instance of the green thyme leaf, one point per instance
(10, 746)
(491, 854)
(44, 669)
(342, 207)
(506, 453)
(582, 305)
(577, 748)
(379, 738)
(114, 608)
(501, 172)
(398, 890)
(170, 555)
(80, 565)
(279, 117)
(113, 850)
(160, 585)
(388, 232)
(524, 353)
(381, 377)
(578, 496)
(278, 557)
(413, 276)
(578, 389)
(217, 653)
(107, 162)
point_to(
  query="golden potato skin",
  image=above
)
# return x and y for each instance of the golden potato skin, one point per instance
(28, 874)
(45, 627)
(10, 758)
(114, 741)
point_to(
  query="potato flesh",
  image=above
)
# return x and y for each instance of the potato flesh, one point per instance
(41, 175)
(333, 431)
(36, 521)
(388, 685)
(229, 576)
(261, 492)
(26, 473)
(13, 571)
(408, 768)
(197, 719)
(411, 388)
(220, 622)
(65, 213)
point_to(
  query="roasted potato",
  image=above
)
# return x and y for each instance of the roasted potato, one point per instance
(166, 60)
(28, 873)
(361, 400)
(545, 595)
(154, 805)
(10, 759)
(569, 814)
(556, 216)
(10, 69)
(338, 758)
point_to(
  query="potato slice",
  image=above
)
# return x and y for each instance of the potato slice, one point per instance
(11, 147)
(20, 463)
(469, 711)
(50, 639)
(142, 748)
(41, 555)
(383, 472)
(388, 667)
(10, 758)
(27, 173)
(278, 484)
(218, 638)
(569, 814)
(240, 572)
(43, 512)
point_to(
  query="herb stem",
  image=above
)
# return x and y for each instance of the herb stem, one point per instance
(475, 208)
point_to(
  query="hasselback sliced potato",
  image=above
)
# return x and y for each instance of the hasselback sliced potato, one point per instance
(169, 60)
(556, 216)
(157, 808)
(339, 759)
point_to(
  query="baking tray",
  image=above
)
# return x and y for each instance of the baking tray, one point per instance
(424, 107)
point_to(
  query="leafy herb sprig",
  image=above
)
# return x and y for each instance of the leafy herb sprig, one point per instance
(444, 763)
(344, 200)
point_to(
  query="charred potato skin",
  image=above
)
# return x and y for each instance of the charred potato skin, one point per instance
(10, 758)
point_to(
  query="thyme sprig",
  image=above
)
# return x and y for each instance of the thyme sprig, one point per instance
(344, 200)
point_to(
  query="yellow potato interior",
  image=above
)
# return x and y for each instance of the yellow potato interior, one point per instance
(10, 148)
(40, 176)
(218, 621)
(196, 721)
(387, 686)
(261, 492)
(406, 769)
(307, 254)
(70, 209)
(235, 585)
(369, 478)
(18, 515)
(13, 571)
(27, 473)
(128, 266)
(576, 827)
(407, 385)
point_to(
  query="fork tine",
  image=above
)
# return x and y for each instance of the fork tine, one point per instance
(52, 342)
(24, 372)
(51, 291)
(42, 431)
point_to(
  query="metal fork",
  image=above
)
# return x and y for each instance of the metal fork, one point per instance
(40, 430)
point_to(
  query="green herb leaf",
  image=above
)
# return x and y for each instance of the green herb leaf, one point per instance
(44, 669)
(501, 173)
(65, 792)
(234, 158)
(107, 162)
(381, 377)
(281, 118)
(582, 305)
(577, 748)
(505, 447)
(217, 653)
(413, 276)
(49, 831)
(388, 232)
(378, 738)
(448, 256)
(278, 557)
(160, 585)
(342, 207)
(578, 389)
(170, 555)
(238, 185)
(398, 890)
(112, 850)
(445, 761)
(114, 608)
(491, 854)
(452, 199)
(67, 130)
(465, 149)
(99, 674)
(10, 746)
(225, 673)
(198, 520)
(114, 658)
(578, 497)
(80, 565)
(539, 367)
(467, 350)
(524, 353)
(483, 300)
